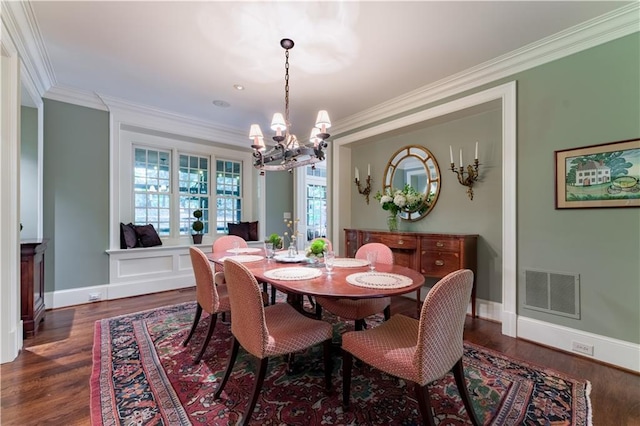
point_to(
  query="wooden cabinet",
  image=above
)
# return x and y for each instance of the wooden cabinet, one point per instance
(32, 285)
(434, 255)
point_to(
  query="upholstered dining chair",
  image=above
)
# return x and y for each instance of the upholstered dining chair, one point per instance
(223, 244)
(267, 331)
(420, 351)
(226, 243)
(210, 297)
(360, 309)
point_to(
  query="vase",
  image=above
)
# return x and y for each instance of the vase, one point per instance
(392, 223)
(293, 250)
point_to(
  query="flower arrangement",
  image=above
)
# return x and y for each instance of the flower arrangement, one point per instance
(397, 200)
(292, 233)
(276, 240)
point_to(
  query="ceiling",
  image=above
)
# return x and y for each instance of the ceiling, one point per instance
(181, 56)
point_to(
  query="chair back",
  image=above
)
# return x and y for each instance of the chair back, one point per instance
(440, 341)
(385, 255)
(225, 243)
(327, 243)
(248, 326)
(206, 292)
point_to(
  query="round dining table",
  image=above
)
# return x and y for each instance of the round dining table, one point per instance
(334, 285)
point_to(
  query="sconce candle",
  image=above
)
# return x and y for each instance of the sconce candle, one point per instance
(367, 189)
(469, 176)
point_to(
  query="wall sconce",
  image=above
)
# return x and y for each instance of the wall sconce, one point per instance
(366, 190)
(468, 177)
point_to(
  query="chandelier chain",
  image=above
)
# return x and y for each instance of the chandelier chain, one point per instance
(286, 90)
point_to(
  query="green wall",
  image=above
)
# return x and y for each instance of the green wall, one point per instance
(29, 172)
(76, 196)
(279, 199)
(454, 212)
(587, 98)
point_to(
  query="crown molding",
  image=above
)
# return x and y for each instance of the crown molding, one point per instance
(74, 96)
(149, 117)
(613, 25)
(21, 24)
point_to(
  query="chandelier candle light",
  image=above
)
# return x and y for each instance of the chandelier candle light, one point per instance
(367, 189)
(289, 153)
(470, 176)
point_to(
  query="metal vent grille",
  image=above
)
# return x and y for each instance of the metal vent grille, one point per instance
(555, 293)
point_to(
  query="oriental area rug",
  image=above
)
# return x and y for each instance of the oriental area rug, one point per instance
(142, 375)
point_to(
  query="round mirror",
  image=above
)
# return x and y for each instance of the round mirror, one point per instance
(414, 171)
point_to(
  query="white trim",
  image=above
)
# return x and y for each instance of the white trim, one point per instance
(76, 97)
(606, 349)
(506, 93)
(615, 24)
(10, 322)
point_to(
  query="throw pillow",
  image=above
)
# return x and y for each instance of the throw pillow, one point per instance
(148, 236)
(239, 229)
(253, 230)
(128, 236)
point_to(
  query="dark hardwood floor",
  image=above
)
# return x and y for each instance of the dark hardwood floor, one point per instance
(48, 384)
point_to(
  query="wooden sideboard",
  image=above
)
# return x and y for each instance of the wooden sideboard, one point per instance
(433, 255)
(32, 285)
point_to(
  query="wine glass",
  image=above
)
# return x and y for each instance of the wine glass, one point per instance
(268, 250)
(372, 257)
(329, 258)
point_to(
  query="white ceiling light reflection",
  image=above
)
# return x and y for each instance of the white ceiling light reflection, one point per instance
(323, 31)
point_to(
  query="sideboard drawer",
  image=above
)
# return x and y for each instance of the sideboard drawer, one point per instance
(439, 264)
(440, 244)
(392, 241)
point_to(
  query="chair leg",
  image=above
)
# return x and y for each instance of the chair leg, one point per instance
(290, 358)
(273, 295)
(328, 364)
(262, 371)
(318, 311)
(347, 364)
(387, 313)
(310, 299)
(230, 362)
(196, 320)
(360, 325)
(458, 373)
(424, 403)
(212, 325)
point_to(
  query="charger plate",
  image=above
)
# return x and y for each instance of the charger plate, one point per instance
(346, 262)
(293, 274)
(244, 250)
(284, 258)
(243, 258)
(379, 280)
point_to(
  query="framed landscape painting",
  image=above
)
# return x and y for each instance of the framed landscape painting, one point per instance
(606, 175)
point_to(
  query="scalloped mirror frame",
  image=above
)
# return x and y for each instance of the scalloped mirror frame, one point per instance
(420, 169)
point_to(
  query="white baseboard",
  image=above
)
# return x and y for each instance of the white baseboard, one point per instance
(78, 296)
(605, 349)
(485, 309)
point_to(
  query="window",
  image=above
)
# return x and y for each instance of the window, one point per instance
(228, 193)
(193, 180)
(152, 184)
(316, 211)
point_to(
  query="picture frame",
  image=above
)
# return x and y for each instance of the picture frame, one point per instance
(604, 175)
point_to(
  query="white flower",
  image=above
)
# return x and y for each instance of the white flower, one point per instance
(400, 200)
(385, 199)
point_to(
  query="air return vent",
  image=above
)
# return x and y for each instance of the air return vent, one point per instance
(552, 292)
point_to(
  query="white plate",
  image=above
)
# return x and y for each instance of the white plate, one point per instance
(244, 250)
(243, 258)
(293, 274)
(379, 280)
(284, 258)
(345, 262)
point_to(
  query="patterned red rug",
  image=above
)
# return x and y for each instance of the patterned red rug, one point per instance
(142, 375)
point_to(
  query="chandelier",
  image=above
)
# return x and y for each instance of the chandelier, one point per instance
(288, 152)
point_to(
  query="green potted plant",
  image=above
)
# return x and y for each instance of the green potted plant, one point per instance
(276, 240)
(197, 227)
(316, 249)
